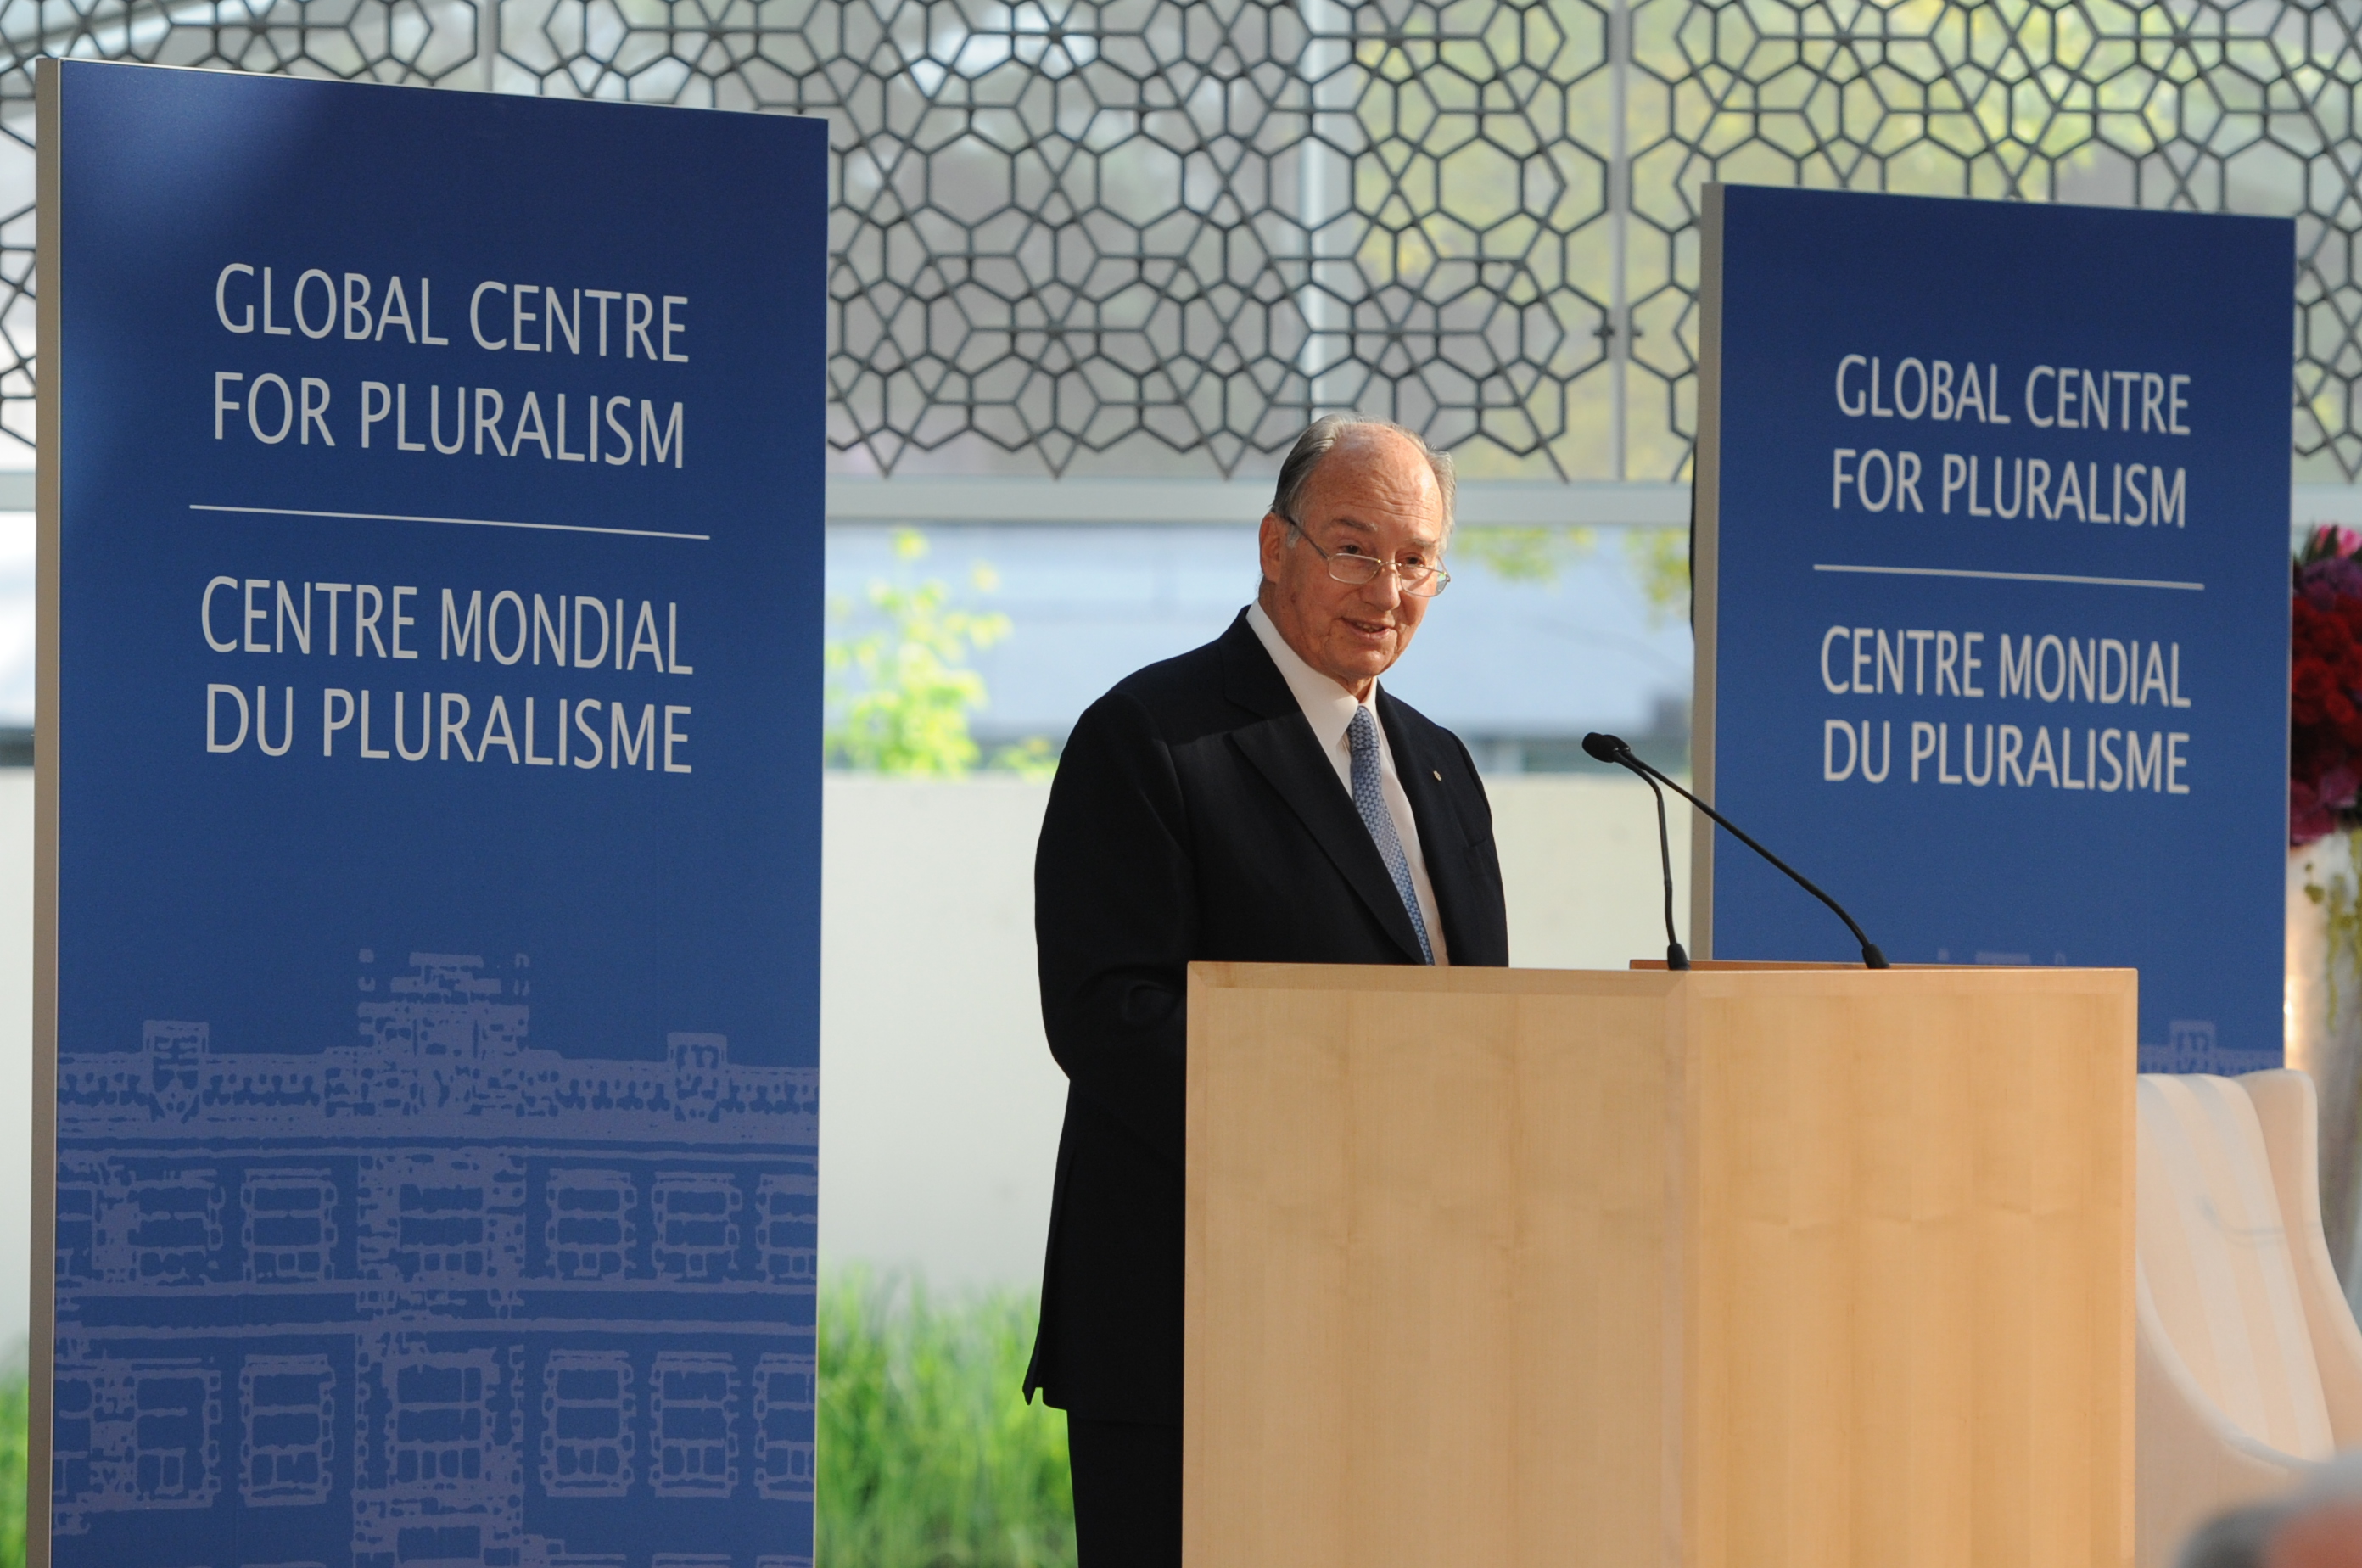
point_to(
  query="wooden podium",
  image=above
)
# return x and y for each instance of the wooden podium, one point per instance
(1741, 1268)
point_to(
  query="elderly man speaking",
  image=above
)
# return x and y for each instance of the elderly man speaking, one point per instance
(1258, 799)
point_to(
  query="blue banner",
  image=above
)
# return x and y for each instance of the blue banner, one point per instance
(1993, 510)
(436, 599)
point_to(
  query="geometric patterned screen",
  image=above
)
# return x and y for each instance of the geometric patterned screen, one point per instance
(1143, 235)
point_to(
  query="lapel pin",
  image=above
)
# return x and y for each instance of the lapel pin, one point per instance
(1439, 777)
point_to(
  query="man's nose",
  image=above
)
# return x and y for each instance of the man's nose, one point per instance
(1385, 589)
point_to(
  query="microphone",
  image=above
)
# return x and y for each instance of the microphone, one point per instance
(1610, 748)
(1677, 955)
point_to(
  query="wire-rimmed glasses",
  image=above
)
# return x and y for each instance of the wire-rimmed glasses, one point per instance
(1416, 579)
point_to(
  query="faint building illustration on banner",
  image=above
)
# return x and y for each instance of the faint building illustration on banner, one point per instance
(436, 1297)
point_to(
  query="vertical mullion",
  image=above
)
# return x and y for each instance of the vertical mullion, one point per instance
(1322, 22)
(1619, 206)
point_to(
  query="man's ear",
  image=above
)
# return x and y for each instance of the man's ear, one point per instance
(1271, 538)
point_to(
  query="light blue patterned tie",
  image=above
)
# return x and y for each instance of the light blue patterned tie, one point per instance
(1370, 801)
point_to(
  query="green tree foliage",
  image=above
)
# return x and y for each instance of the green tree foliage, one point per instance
(1521, 555)
(900, 695)
(929, 1455)
(1658, 559)
(1028, 759)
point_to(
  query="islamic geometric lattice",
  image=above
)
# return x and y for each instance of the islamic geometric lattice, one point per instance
(1141, 236)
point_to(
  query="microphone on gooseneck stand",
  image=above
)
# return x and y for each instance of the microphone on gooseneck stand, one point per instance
(1609, 749)
(1677, 955)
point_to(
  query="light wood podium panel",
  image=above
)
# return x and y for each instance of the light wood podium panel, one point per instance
(1732, 1269)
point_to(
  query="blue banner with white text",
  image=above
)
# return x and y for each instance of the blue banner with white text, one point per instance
(436, 746)
(2002, 638)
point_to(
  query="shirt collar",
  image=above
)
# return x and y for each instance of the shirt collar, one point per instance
(1328, 706)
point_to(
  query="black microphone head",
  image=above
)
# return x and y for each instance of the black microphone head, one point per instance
(1605, 748)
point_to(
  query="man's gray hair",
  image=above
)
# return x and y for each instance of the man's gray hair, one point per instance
(1323, 434)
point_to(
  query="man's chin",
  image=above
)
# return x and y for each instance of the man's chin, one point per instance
(1361, 662)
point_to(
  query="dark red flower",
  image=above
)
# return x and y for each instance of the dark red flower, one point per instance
(2308, 819)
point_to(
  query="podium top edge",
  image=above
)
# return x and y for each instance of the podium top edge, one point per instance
(1651, 978)
(1767, 966)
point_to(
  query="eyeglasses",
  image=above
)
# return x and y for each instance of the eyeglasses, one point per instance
(1416, 579)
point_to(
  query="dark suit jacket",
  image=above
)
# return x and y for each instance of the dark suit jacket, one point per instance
(1194, 816)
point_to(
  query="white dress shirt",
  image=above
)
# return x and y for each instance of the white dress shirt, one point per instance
(1328, 708)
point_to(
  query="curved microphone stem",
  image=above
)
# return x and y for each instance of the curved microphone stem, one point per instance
(1871, 958)
(1676, 956)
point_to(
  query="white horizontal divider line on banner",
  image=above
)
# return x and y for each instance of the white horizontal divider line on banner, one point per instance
(2018, 576)
(455, 522)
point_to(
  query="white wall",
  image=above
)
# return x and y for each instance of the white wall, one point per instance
(1580, 865)
(940, 1103)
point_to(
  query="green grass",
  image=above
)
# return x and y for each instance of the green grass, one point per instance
(12, 1470)
(928, 1457)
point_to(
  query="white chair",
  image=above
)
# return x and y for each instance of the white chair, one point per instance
(2247, 1364)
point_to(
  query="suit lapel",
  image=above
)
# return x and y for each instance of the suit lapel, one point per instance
(1282, 748)
(1442, 833)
